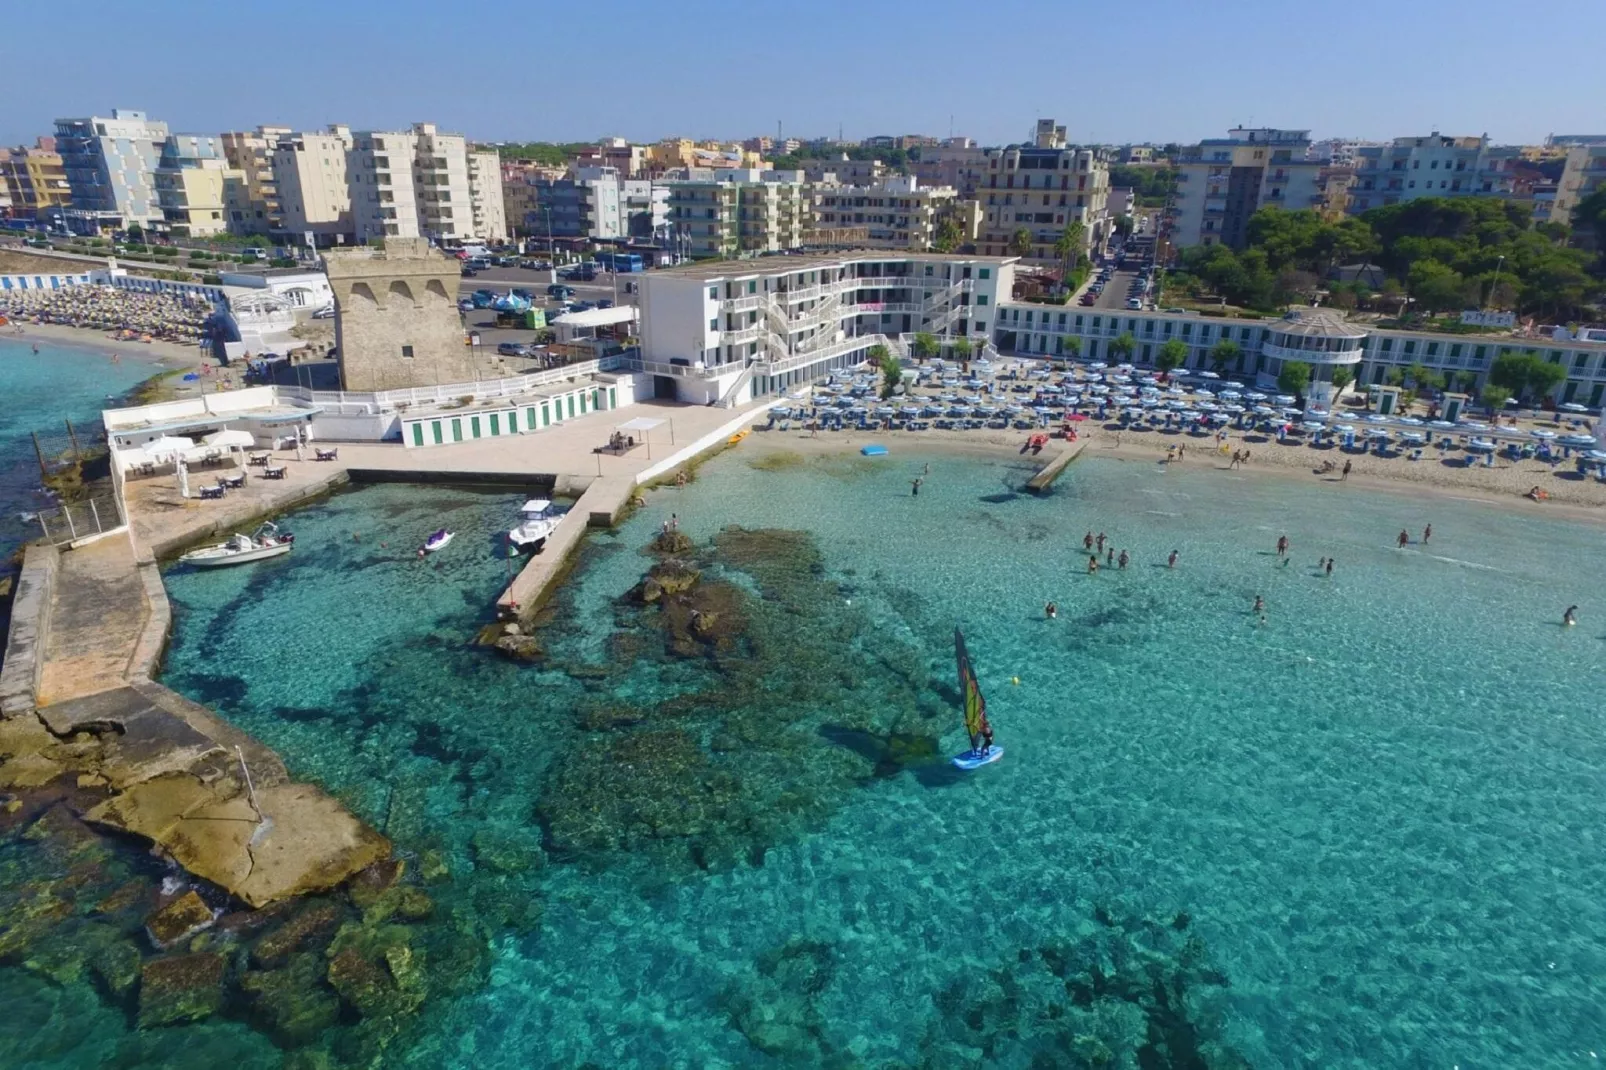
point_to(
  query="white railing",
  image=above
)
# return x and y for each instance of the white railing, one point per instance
(377, 401)
(1313, 356)
(729, 399)
(678, 371)
(825, 352)
(744, 302)
(749, 333)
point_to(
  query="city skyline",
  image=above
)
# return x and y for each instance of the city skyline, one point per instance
(1171, 74)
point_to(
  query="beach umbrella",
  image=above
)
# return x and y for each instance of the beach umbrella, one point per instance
(1597, 455)
(1077, 417)
(231, 439)
(165, 448)
(1512, 401)
(1208, 375)
(1540, 433)
(1573, 406)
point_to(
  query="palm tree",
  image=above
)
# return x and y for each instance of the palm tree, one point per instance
(1020, 242)
(1068, 247)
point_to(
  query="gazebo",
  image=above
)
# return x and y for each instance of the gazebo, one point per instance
(644, 424)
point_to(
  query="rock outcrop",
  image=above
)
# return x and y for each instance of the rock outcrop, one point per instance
(180, 988)
(178, 920)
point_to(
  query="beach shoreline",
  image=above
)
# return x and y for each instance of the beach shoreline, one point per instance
(169, 361)
(1582, 500)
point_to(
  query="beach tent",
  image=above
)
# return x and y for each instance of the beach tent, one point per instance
(230, 438)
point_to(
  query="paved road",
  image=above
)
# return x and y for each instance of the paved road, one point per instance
(501, 280)
(1115, 291)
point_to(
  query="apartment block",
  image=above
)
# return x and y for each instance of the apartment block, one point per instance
(957, 163)
(487, 210)
(34, 181)
(253, 196)
(845, 171)
(190, 177)
(1042, 190)
(110, 164)
(899, 213)
(415, 183)
(738, 212)
(1223, 181)
(309, 173)
(1432, 166)
(730, 331)
(1582, 174)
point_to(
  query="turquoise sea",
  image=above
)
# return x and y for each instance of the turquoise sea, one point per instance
(41, 391)
(1359, 834)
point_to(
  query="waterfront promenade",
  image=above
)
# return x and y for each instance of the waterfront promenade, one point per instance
(91, 625)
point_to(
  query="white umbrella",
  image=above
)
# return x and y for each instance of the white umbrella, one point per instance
(164, 448)
(230, 439)
(1573, 406)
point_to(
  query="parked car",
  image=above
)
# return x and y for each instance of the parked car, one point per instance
(327, 312)
(468, 272)
(465, 305)
(605, 303)
(1134, 302)
(525, 295)
(483, 298)
(582, 306)
(559, 291)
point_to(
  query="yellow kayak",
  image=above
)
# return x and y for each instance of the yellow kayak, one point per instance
(738, 436)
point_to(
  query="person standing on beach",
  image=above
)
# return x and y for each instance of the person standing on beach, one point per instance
(1171, 562)
(1345, 474)
(1237, 459)
(1404, 538)
(1427, 533)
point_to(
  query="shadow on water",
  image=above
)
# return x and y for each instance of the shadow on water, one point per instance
(1001, 498)
(890, 754)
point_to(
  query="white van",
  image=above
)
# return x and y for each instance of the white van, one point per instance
(255, 253)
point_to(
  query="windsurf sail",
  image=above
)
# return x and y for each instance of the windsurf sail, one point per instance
(970, 694)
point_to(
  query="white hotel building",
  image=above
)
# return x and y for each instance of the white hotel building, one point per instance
(1322, 338)
(731, 331)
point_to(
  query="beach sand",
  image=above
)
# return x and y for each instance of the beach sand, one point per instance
(1503, 485)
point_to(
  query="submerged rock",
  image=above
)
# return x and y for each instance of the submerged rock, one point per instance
(367, 886)
(117, 967)
(376, 971)
(519, 647)
(180, 988)
(179, 920)
(293, 1004)
(507, 850)
(310, 928)
(673, 542)
(666, 579)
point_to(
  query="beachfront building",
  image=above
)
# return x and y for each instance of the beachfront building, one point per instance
(190, 177)
(1040, 189)
(1321, 338)
(309, 173)
(251, 196)
(487, 211)
(730, 331)
(1432, 166)
(740, 211)
(34, 181)
(899, 213)
(1221, 182)
(110, 164)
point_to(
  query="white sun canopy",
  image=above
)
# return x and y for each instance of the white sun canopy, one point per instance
(640, 423)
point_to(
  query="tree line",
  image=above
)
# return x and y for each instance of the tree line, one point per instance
(1433, 255)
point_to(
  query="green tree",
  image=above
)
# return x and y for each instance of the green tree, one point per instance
(1526, 374)
(1223, 354)
(1020, 242)
(891, 370)
(1342, 377)
(1068, 246)
(1125, 225)
(1294, 377)
(1494, 397)
(1122, 345)
(1590, 215)
(1436, 287)
(962, 348)
(926, 345)
(948, 237)
(1073, 345)
(1172, 355)
(1544, 377)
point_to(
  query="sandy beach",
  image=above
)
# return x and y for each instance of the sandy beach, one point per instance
(1502, 486)
(169, 360)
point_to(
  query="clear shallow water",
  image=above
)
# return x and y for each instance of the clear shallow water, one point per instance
(1379, 810)
(40, 391)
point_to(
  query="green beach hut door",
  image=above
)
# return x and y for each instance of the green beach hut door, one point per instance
(418, 434)
(435, 429)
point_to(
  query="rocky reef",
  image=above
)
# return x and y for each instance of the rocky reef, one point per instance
(1096, 993)
(784, 670)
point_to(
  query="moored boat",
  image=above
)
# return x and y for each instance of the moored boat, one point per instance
(437, 541)
(239, 549)
(536, 524)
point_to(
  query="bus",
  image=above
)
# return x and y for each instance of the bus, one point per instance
(621, 262)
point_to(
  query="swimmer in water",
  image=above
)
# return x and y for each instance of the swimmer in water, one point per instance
(1092, 564)
(1282, 545)
(1051, 611)
(1329, 566)
(1087, 541)
(1405, 537)
(1123, 559)
(1569, 618)
(1260, 605)
(1109, 558)
(1171, 562)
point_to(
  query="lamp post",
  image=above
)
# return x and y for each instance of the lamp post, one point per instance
(1497, 264)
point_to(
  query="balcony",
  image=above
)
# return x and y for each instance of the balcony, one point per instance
(1314, 356)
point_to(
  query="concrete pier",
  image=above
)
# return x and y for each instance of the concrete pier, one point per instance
(1044, 479)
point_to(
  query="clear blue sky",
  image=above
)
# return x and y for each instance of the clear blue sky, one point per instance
(1164, 70)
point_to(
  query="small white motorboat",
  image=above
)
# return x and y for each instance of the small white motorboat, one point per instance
(437, 541)
(268, 541)
(536, 524)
